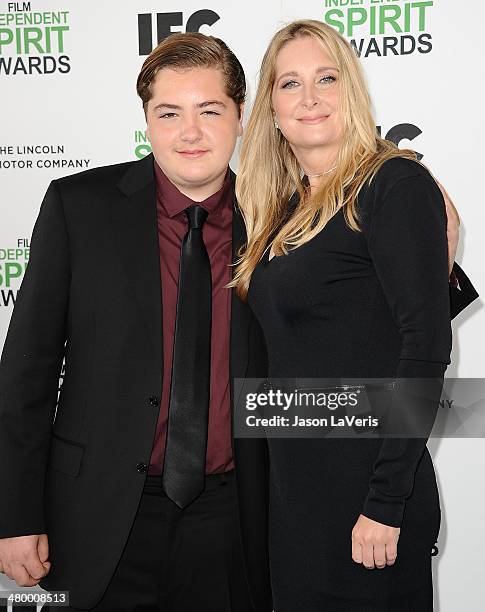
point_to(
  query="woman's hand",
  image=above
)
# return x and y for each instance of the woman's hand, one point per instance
(453, 226)
(374, 544)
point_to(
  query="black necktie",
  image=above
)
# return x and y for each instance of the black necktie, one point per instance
(186, 444)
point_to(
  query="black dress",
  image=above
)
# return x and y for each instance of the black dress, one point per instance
(357, 304)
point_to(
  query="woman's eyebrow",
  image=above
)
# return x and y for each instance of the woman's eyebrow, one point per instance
(295, 73)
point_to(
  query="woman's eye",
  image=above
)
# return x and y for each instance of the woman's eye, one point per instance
(326, 80)
(289, 85)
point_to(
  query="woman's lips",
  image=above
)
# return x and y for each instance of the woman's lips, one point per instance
(193, 154)
(313, 120)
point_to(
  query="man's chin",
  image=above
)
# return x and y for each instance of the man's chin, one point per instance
(196, 179)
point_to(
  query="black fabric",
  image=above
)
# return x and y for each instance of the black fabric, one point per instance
(75, 467)
(352, 304)
(186, 446)
(462, 296)
(181, 560)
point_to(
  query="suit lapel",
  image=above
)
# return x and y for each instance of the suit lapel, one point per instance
(135, 220)
(240, 312)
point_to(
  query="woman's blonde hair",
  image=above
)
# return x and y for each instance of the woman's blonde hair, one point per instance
(269, 173)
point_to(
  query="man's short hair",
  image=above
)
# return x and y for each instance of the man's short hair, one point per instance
(193, 50)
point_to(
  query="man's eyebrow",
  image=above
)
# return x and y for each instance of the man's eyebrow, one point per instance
(164, 105)
(210, 103)
(320, 69)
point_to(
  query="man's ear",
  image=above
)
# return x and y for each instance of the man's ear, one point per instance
(147, 129)
(241, 117)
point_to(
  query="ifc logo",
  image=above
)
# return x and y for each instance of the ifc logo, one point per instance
(165, 23)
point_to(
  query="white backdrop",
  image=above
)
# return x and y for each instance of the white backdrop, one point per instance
(67, 85)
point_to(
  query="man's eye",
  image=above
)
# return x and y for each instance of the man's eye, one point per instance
(167, 115)
(210, 112)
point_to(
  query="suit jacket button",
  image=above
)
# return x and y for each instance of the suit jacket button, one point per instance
(141, 468)
(154, 401)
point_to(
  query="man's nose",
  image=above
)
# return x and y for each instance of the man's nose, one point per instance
(191, 131)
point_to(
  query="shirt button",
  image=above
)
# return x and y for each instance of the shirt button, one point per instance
(141, 468)
(154, 401)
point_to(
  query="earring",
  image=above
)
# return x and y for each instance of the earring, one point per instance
(276, 125)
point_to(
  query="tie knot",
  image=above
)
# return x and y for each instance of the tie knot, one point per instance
(196, 216)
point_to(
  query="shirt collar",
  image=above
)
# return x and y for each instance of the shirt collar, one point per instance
(176, 202)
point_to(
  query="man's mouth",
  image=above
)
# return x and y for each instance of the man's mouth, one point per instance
(193, 153)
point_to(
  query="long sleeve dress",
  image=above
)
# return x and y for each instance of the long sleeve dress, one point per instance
(352, 304)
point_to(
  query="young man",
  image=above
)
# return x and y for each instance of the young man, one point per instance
(131, 509)
(107, 497)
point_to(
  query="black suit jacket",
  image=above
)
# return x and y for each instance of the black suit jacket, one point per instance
(92, 295)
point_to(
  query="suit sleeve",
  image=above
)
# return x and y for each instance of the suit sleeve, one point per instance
(408, 247)
(29, 372)
(462, 292)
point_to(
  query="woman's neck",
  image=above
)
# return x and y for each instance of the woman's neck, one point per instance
(317, 163)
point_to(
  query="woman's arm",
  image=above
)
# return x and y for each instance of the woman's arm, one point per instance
(408, 246)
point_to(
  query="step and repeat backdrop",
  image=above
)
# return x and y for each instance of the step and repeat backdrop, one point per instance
(68, 103)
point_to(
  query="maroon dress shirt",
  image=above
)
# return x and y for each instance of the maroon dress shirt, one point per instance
(217, 234)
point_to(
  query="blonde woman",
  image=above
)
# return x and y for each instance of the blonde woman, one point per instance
(346, 269)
